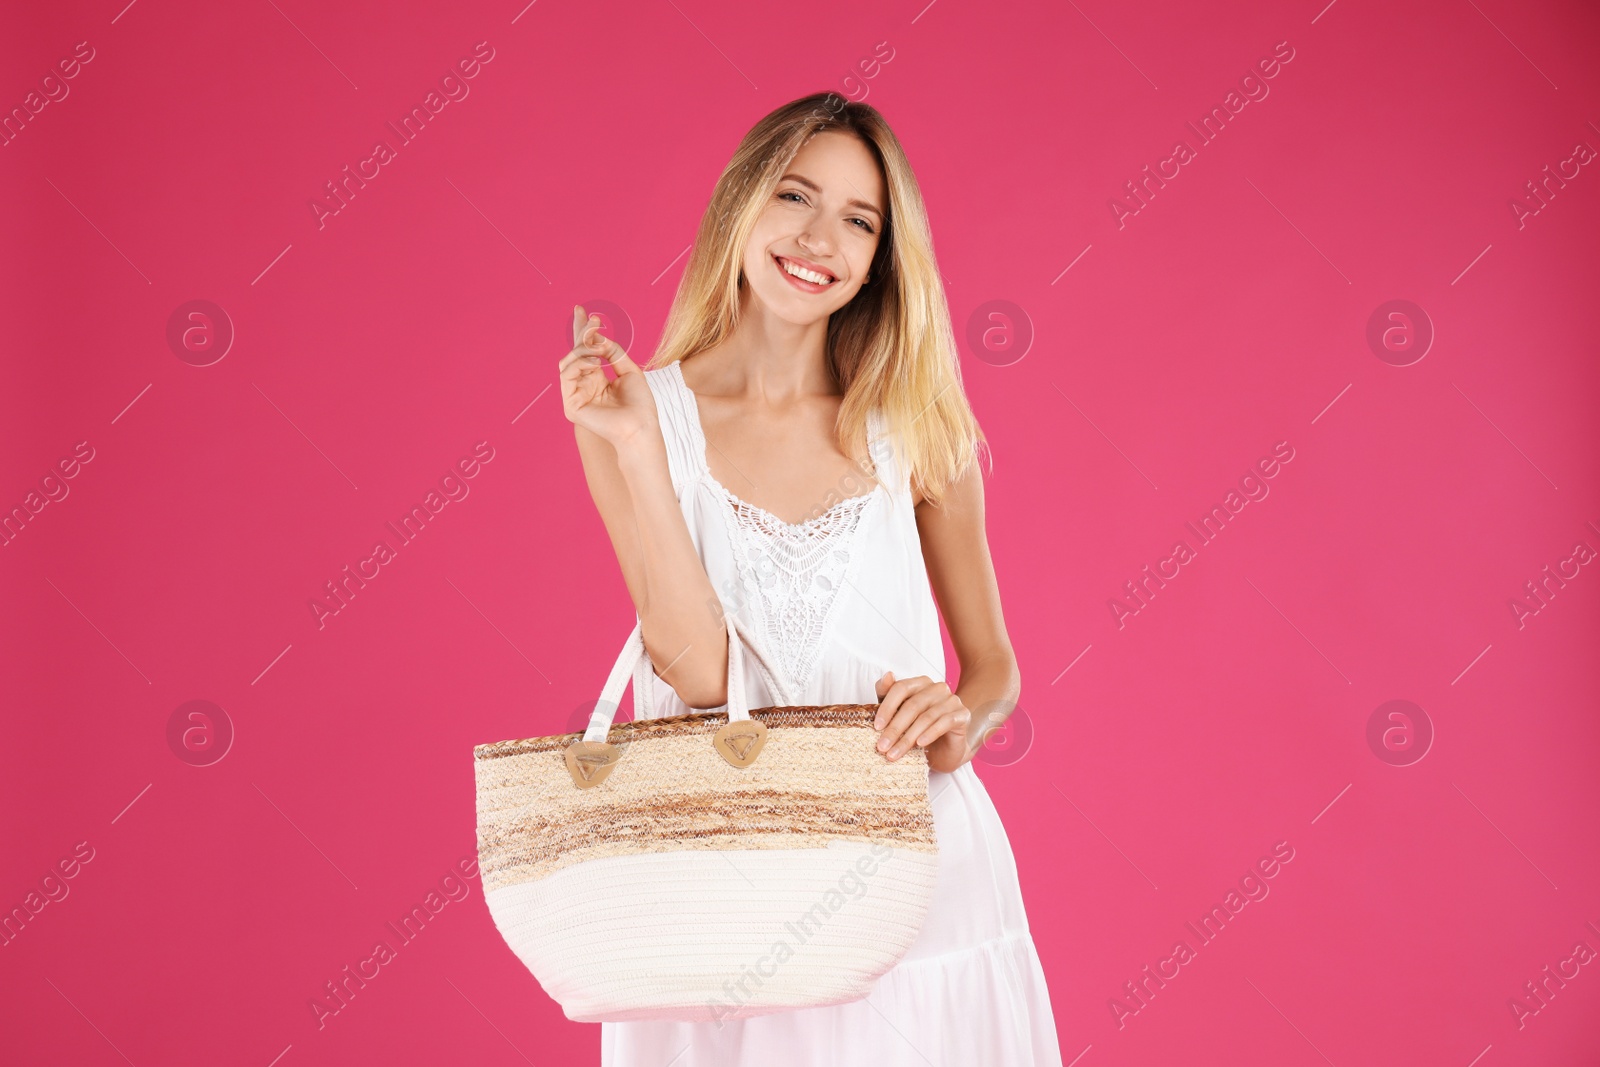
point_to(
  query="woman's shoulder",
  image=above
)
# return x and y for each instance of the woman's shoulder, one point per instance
(664, 384)
(886, 449)
(676, 421)
(660, 376)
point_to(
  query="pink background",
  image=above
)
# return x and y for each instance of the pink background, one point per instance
(374, 351)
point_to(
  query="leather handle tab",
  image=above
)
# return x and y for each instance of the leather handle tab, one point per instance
(590, 762)
(740, 742)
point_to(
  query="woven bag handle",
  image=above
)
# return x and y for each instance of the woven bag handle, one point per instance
(635, 661)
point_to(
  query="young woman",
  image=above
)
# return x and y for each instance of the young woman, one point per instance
(801, 456)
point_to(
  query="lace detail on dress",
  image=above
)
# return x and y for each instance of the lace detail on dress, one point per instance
(795, 572)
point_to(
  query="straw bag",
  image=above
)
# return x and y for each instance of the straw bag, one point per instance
(709, 866)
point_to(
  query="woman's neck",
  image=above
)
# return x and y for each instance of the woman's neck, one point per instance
(767, 359)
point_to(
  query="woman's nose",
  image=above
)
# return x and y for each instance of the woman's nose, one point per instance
(813, 243)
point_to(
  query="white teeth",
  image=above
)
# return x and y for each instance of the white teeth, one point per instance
(809, 275)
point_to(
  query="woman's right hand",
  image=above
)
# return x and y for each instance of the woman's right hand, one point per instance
(621, 410)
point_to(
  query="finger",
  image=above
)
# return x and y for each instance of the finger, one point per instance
(588, 338)
(914, 729)
(581, 388)
(908, 711)
(891, 698)
(582, 375)
(954, 719)
(919, 693)
(884, 683)
(616, 357)
(576, 396)
(595, 348)
(926, 728)
(579, 357)
(892, 701)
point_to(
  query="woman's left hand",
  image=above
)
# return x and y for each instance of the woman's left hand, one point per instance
(919, 711)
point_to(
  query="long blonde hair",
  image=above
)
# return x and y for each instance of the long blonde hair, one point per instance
(891, 347)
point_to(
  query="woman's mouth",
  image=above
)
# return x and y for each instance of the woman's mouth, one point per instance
(804, 278)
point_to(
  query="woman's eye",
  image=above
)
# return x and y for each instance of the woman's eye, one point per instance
(866, 226)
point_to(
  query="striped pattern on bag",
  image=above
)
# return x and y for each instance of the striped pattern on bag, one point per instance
(819, 779)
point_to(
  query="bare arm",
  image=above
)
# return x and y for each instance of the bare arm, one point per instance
(625, 464)
(949, 725)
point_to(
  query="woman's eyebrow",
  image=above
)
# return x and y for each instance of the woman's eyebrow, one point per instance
(814, 187)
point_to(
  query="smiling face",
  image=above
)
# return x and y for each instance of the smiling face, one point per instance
(825, 219)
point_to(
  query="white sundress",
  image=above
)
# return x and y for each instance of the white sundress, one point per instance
(837, 601)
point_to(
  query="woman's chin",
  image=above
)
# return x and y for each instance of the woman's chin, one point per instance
(798, 309)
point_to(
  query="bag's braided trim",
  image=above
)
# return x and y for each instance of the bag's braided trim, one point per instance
(705, 722)
(672, 792)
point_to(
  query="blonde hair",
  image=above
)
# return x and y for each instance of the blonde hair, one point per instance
(891, 347)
